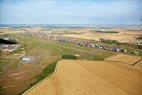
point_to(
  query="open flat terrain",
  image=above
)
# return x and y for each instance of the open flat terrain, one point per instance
(82, 77)
(122, 36)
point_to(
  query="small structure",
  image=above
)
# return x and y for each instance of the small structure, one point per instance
(28, 59)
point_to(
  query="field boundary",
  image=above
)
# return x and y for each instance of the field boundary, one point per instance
(25, 93)
(136, 62)
(108, 59)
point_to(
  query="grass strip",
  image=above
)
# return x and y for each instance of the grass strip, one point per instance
(69, 57)
(47, 71)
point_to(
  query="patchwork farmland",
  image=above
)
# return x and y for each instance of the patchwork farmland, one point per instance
(87, 72)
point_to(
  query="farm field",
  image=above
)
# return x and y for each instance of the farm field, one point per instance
(82, 77)
(17, 77)
(123, 36)
(127, 59)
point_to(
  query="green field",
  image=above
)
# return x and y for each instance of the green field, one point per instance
(104, 31)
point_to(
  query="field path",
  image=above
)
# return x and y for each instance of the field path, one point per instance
(82, 77)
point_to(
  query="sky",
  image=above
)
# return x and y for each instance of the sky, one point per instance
(70, 11)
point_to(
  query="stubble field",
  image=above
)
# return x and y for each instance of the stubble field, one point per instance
(82, 77)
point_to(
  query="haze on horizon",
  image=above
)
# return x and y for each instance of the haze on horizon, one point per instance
(70, 11)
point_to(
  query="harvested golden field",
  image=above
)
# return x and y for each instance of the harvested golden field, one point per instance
(128, 59)
(123, 36)
(82, 77)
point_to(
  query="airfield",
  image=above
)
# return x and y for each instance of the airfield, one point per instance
(90, 67)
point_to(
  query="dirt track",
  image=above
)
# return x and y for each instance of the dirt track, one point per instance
(81, 77)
